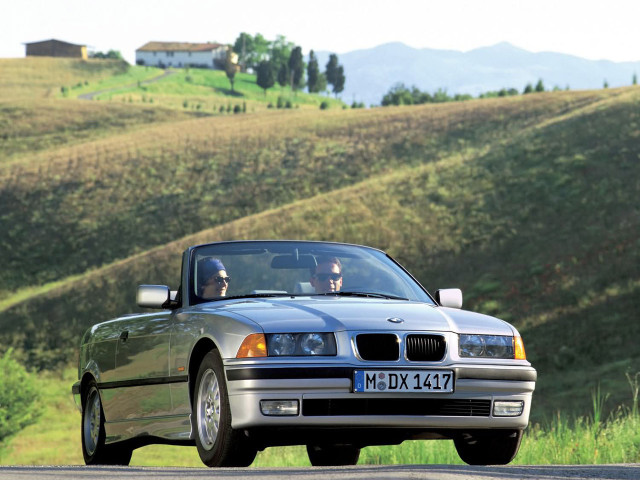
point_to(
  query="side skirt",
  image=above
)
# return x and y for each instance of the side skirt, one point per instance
(173, 430)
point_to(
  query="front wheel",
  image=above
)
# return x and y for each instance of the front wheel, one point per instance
(496, 447)
(333, 455)
(94, 449)
(218, 444)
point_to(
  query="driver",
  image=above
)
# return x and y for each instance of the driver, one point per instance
(212, 278)
(326, 277)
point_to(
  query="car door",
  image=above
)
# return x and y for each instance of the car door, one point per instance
(139, 385)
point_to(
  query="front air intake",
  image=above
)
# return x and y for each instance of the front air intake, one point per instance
(378, 346)
(425, 348)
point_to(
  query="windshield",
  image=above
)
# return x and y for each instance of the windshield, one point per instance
(287, 268)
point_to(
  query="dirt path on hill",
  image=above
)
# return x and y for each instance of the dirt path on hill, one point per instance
(92, 95)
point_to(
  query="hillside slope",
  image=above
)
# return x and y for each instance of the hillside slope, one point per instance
(528, 204)
(165, 181)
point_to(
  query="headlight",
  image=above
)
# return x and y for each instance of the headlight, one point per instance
(299, 344)
(486, 346)
(282, 344)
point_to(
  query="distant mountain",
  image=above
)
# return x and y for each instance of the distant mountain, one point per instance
(371, 73)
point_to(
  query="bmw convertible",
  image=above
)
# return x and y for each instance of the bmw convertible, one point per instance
(328, 345)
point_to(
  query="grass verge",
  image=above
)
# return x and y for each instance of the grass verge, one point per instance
(55, 439)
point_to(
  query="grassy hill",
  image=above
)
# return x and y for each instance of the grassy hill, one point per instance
(529, 204)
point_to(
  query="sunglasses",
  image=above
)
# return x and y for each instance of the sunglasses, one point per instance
(323, 277)
(222, 279)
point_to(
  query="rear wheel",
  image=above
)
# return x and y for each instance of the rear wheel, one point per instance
(94, 449)
(493, 447)
(218, 444)
(333, 455)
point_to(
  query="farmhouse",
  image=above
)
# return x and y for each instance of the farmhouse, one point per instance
(56, 48)
(181, 54)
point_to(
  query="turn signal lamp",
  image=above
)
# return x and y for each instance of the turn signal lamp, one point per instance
(518, 345)
(254, 345)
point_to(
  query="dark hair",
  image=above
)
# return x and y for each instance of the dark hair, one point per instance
(207, 267)
(321, 260)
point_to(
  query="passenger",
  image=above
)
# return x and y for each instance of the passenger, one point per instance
(327, 275)
(212, 278)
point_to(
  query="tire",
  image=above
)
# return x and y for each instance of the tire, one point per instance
(94, 449)
(218, 444)
(496, 447)
(333, 455)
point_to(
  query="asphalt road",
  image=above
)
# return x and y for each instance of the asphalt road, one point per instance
(363, 472)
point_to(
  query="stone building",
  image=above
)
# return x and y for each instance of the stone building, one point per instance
(182, 54)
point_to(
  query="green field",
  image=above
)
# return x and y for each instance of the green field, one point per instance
(55, 440)
(529, 204)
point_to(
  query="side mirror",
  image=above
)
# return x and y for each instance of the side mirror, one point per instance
(449, 297)
(153, 296)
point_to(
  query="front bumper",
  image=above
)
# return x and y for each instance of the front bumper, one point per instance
(326, 399)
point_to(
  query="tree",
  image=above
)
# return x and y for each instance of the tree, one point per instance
(283, 75)
(335, 74)
(321, 85)
(251, 50)
(528, 89)
(338, 85)
(296, 67)
(399, 94)
(265, 78)
(605, 84)
(279, 53)
(540, 86)
(231, 66)
(331, 69)
(18, 397)
(313, 73)
(244, 47)
(111, 54)
(634, 80)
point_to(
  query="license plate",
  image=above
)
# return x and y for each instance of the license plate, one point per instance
(397, 381)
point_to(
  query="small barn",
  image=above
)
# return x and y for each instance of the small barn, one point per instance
(56, 48)
(182, 54)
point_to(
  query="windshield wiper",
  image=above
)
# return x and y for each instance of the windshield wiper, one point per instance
(364, 294)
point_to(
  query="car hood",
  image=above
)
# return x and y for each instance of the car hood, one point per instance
(318, 314)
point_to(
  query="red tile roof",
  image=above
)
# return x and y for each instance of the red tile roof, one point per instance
(178, 47)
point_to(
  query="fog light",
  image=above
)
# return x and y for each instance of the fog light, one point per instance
(502, 408)
(279, 407)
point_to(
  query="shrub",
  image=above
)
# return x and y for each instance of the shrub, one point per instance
(18, 397)
(324, 105)
(237, 109)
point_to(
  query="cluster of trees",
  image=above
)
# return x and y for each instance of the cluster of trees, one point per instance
(111, 54)
(282, 62)
(400, 94)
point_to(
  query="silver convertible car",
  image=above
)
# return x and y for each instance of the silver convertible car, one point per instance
(328, 345)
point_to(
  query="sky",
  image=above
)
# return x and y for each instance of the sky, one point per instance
(590, 29)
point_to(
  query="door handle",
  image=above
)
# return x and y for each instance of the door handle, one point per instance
(124, 336)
